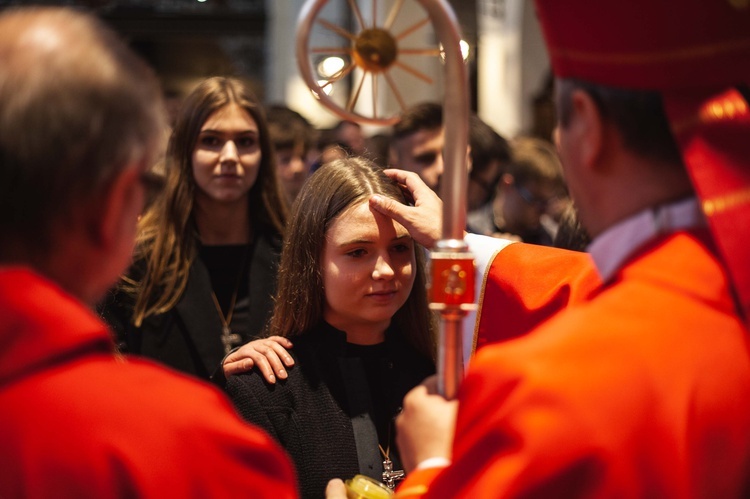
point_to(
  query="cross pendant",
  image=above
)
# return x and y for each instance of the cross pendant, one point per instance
(390, 477)
(229, 339)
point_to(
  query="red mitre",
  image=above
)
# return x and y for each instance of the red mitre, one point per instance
(694, 52)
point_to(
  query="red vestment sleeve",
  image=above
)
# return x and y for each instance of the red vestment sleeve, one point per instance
(527, 284)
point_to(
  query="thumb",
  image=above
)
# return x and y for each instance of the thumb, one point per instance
(389, 207)
(336, 489)
(238, 367)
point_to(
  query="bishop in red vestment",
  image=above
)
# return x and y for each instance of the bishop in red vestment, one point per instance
(639, 389)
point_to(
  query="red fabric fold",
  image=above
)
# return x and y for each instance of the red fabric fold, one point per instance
(712, 129)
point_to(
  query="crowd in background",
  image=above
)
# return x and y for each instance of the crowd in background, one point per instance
(516, 189)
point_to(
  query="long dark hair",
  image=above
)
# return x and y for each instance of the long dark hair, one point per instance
(167, 239)
(326, 194)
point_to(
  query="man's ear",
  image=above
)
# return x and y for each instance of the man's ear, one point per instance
(120, 207)
(590, 128)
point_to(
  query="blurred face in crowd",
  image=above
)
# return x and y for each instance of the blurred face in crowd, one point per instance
(482, 185)
(227, 156)
(351, 135)
(522, 205)
(422, 153)
(293, 168)
(368, 271)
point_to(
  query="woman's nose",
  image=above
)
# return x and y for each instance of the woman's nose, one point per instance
(383, 268)
(229, 152)
(297, 165)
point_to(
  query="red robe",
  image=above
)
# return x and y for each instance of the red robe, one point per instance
(77, 421)
(641, 391)
(527, 284)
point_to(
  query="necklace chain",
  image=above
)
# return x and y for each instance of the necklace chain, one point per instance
(225, 321)
(390, 476)
(229, 339)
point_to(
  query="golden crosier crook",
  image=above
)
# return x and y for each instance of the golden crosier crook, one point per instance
(375, 51)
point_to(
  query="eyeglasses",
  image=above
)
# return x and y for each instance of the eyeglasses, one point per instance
(153, 185)
(540, 204)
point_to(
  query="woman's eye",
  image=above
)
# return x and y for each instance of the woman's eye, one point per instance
(246, 142)
(402, 248)
(210, 141)
(356, 253)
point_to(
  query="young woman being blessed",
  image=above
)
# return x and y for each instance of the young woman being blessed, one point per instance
(352, 298)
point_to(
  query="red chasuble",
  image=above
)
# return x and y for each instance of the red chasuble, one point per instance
(527, 284)
(77, 421)
(639, 391)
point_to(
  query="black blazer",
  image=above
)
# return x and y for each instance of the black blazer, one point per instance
(321, 413)
(188, 337)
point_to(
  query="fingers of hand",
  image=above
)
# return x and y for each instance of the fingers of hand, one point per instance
(412, 181)
(274, 360)
(238, 366)
(267, 367)
(269, 355)
(384, 205)
(233, 357)
(280, 340)
(280, 351)
(398, 175)
(248, 350)
(424, 429)
(336, 489)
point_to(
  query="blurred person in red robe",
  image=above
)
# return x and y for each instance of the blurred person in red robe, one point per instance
(80, 124)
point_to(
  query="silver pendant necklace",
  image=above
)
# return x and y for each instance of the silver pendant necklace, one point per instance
(390, 476)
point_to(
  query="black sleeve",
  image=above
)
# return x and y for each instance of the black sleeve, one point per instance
(243, 390)
(217, 377)
(116, 309)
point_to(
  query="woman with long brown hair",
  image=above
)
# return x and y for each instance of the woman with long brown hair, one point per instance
(352, 297)
(205, 261)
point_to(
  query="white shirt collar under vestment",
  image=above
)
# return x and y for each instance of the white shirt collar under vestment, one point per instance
(613, 246)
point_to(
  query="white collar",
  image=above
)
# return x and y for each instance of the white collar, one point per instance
(613, 246)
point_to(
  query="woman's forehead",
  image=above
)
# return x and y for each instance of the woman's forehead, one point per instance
(359, 220)
(231, 115)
